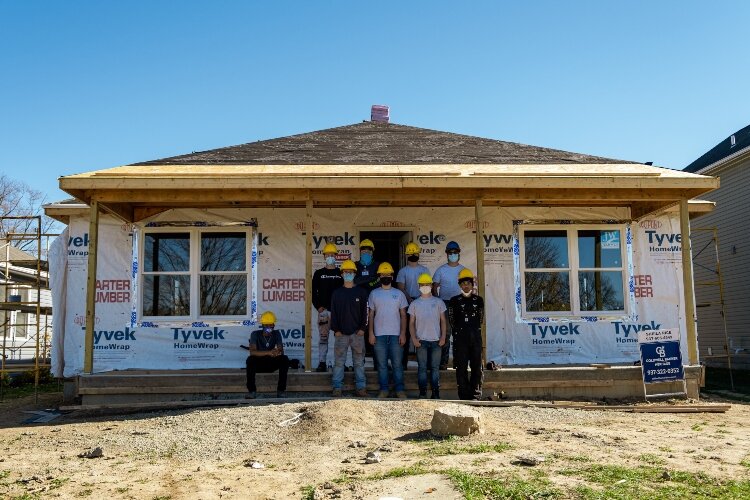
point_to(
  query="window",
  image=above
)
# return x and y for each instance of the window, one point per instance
(572, 270)
(195, 273)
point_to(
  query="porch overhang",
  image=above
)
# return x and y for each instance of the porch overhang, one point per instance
(136, 192)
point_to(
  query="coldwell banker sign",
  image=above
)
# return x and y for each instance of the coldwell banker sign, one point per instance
(660, 356)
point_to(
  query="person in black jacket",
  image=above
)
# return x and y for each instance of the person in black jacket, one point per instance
(324, 282)
(349, 322)
(465, 314)
(367, 269)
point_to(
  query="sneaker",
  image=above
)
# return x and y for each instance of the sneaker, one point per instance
(422, 394)
(321, 368)
(435, 394)
(336, 393)
(383, 394)
(280, 394)
(250, 395)
(401, 395)
(361, 393)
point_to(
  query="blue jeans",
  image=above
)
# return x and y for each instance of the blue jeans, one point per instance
(340, 346)
(428, 356)
(387, 347)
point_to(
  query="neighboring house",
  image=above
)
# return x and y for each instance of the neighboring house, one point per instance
(18, 304)
(730, 161)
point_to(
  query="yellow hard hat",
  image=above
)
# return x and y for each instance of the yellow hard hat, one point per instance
(465, 274)
(412, 249)
(349, 265)
(424, 279)
(268, 318)
(366, 243)
(385, 268)
(330, 248)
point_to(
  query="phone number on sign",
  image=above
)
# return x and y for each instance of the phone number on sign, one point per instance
(663, 371)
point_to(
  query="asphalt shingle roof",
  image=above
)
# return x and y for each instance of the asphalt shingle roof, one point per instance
(374, 143)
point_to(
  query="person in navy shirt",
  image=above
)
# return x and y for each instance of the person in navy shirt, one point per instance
(266, 355)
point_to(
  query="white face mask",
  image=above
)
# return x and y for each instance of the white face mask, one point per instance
(466, 294)
(425, 290)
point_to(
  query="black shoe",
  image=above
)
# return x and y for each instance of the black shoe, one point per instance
(423, 394)
(435, 394)
(250, 395)
(321, 368)
(281, 394)
(443, 367)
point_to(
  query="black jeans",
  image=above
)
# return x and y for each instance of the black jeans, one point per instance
(267, 364)
(467, 352)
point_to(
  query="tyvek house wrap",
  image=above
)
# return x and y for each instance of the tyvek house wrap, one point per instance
(655, 266)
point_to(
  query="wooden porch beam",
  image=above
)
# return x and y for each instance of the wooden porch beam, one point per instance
(479, 219)
(88, 344)
(687, 284)
(308, 283)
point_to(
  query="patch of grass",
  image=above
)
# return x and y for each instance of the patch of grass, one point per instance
(444, 449)
(579, 458)
(696, 427)
(475, 486)
(308, 492)
(412, 470)
(722, 431)
(58, 482)
(122, 490)
(28, 389)
(652, 459)
(653, 482)
(746, 462)
(84, 493)
(665, 449)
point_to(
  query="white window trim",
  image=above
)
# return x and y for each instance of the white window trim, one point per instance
(195, 273)
(573, 269)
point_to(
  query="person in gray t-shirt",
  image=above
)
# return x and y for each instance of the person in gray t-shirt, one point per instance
(406, 281)
(427, 325)
(387, 326)
(445, 286)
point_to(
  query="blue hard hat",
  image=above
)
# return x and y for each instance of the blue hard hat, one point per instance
(452, 245)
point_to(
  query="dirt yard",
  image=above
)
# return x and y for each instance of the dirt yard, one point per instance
(210, 452)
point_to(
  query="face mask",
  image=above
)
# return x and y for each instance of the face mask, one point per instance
(267, 329)
(386, 280)
(330, 260)
(365, 259)
(425, 290)
(413, 258)
(453, 257)
(348, 277)
(466, 294)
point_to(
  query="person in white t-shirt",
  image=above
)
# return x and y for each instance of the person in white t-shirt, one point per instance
(428, 325)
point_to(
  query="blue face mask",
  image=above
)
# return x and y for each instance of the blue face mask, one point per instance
(365, 259)
(348, 277)
(453, 257)
(330, 260)
(267, 329)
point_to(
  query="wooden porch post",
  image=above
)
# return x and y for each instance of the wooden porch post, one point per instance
(687, 283)
(88, 359)
(480, 269)
(308, 284)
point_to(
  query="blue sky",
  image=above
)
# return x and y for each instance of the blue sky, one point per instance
(87, 85)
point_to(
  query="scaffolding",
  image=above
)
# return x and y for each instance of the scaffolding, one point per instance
(26, 304)
(713, 269)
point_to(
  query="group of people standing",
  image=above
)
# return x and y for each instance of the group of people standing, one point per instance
(359, 303)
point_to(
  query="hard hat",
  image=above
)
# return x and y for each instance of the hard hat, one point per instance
(330, 248)
(349, 265)
(385, 268)
(465, 274)
(424, 279)
(452, 245)
(412, 249)
(366, 243)
(268, 318)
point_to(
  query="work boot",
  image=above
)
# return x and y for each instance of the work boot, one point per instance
(383, 394)
(250, 395)
(280, 394)
(361, 393)
(435, 394)
(401, 395)
(422, 393)
(336, 393)
(322, 368)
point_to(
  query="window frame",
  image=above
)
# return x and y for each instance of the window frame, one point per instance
(195, 273)
(574, 269)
